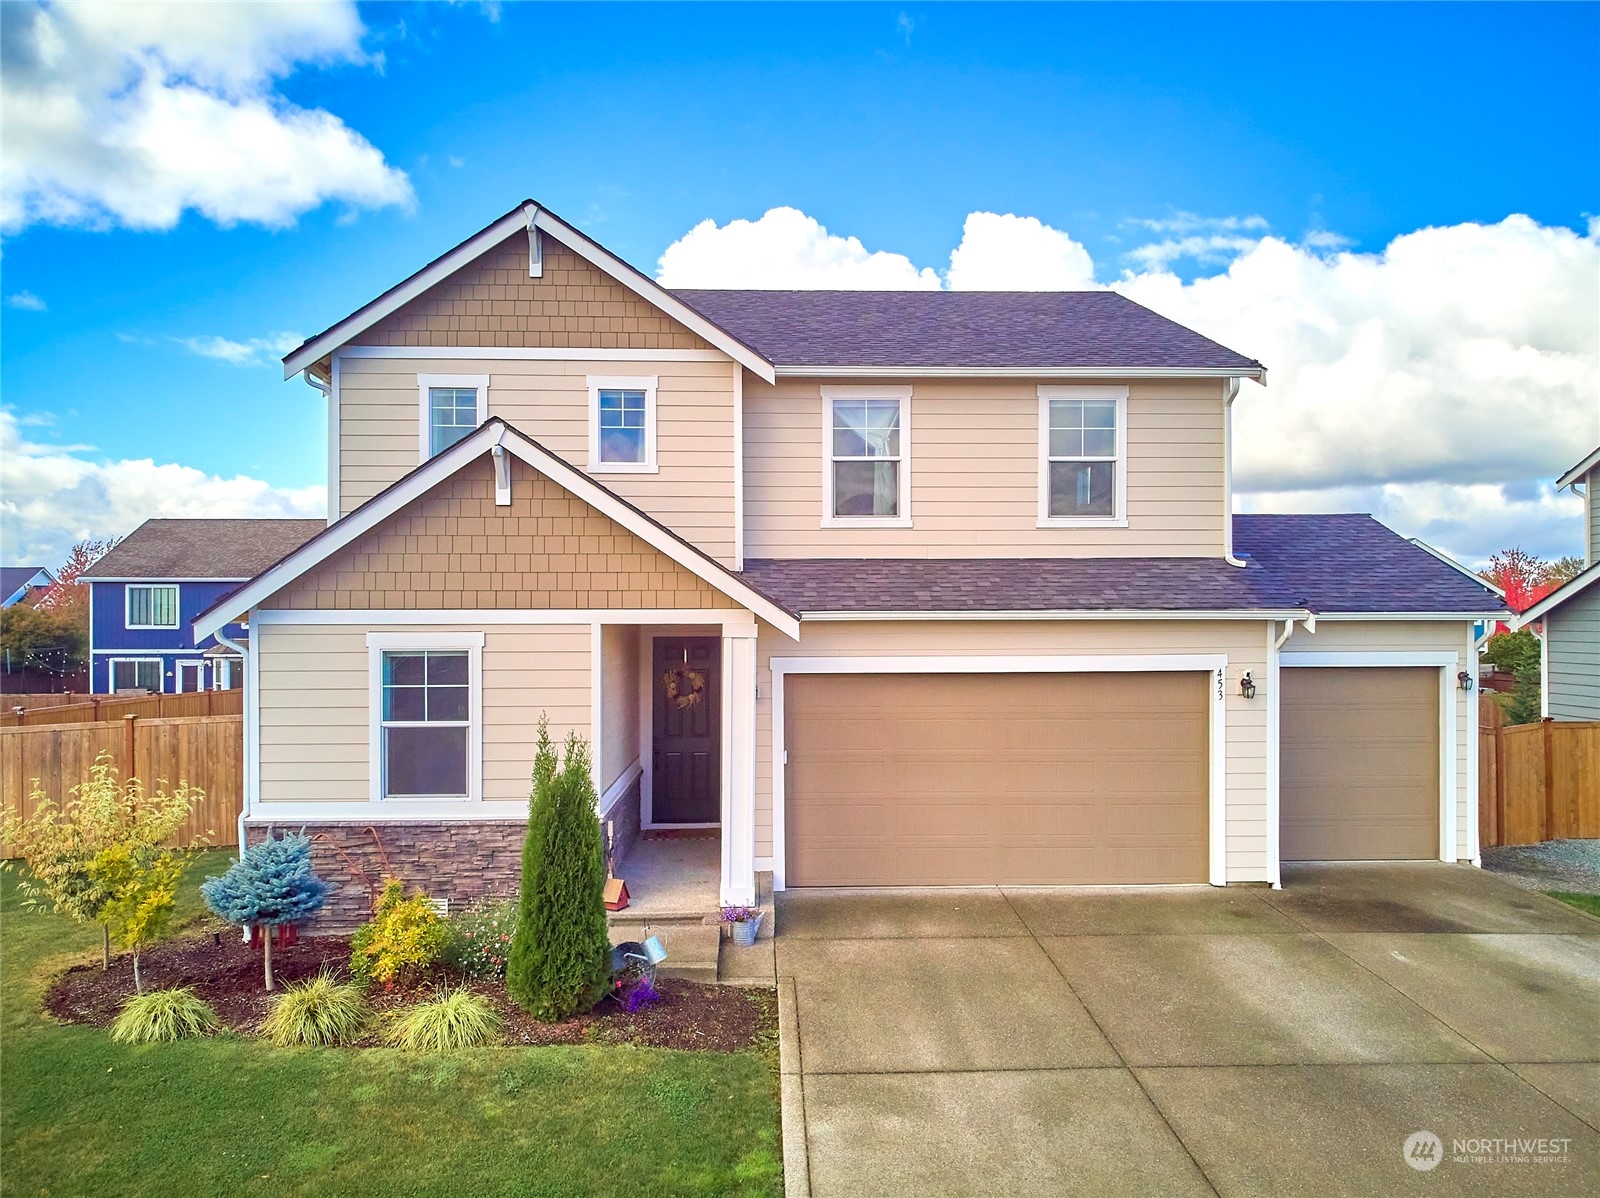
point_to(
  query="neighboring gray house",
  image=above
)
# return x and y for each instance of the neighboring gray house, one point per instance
(1571, 615)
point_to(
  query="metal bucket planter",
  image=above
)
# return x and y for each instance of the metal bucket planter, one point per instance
(745, 930)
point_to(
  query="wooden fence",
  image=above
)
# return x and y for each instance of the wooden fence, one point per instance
(205, 751)
(113, 707)
(1536, 781)
(44, 699)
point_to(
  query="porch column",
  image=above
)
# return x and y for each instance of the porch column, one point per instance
(739, 766)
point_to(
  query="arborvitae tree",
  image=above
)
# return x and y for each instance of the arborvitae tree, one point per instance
(560, 957)
(270, 884)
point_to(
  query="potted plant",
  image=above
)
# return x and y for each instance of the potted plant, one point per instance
(746, 923)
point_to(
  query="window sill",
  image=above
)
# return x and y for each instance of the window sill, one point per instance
(624, 468)
(1082, 522)
(866, 522)
(152, 627)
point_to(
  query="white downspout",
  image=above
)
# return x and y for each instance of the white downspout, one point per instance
(238, 647)
(1228, 395)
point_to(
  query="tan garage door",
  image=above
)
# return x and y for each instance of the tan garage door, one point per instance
(979, 779)
(1359, 765)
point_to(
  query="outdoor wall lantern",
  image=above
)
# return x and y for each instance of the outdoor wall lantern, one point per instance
(1465, 679)
(1247, 686)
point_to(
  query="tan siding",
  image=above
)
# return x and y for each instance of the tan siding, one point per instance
(316, 708)
(453, 548)
(975, 475)
(1244, 642)
(1417, 636)
(492, 301)
(619, 700)
(692, 492)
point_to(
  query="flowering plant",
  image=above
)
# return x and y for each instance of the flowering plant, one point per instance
(739, 914)
(642, 995)
(480, 937)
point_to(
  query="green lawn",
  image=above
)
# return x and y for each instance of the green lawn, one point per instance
(233, 1116)
(1583, 902)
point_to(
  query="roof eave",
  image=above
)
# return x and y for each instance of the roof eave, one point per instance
(1577, 473)
(1572, 587)
(1257, 373)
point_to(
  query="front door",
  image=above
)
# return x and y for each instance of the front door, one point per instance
(686, 782)
(190, 674)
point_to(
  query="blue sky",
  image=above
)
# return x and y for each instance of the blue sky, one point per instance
(1330, 129)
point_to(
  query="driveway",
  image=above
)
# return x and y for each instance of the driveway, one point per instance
(1189, 1040)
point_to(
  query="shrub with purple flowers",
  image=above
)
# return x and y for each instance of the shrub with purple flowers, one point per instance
(641, 995)
(739, 914)
(480, 938)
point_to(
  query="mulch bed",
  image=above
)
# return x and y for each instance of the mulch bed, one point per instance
(227, 974)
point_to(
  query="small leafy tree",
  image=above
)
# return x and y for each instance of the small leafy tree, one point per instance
(271, 884)
(141, 888)
(404, 938)
(561, 954)
(60, 842)
(1513, 652)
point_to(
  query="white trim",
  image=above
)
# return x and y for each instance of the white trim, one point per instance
(1471, 798)
(596, 701)
(613, 795)
(177, 675)
(377, 644)
(721, 616)
(1021, 372)
(420, 480)
(1119, 498)
(646, 713)
(478, 382)
(902, 516)
(738, 469)
(1274, 756)
(1079, 614)
(1577, 472)
(392, 811)
(159, 581)
(646, 383)
(177, 607)
(161, 668)
(1447, 663)
(1455, 565)
(519, 353)
(1214, 665)
(252, 725)
(1544, 675)
(335, 445)
(1451, 617)
(1575, 585)
(738, 835)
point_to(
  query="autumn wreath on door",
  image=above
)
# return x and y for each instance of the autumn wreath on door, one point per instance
(685, 686)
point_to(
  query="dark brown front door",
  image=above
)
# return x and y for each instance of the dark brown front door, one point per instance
(686, 785)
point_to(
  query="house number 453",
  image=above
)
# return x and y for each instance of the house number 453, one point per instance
(1219, 684)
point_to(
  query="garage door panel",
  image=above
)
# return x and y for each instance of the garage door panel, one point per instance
(1359, 765)
(985, 779)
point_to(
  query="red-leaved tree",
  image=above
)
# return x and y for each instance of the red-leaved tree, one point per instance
(1523, 577)
(66, 593)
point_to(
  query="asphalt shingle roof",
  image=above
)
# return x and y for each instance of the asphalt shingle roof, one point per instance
(1324, 563)
(182, 549)
(1018, 329)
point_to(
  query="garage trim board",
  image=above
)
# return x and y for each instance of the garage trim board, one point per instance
(1446, 663)
(1215, 665)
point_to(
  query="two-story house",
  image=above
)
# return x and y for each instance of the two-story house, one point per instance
(876, 588)
(1569, 617)
(145, 593)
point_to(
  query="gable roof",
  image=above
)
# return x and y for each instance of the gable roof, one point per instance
(1577, 472)
(1094, 332)
(1570, 589)
(491, 433)
(15, 580)
(525, 217)
(219, 550)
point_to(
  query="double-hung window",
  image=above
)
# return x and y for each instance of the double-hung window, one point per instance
(1083, 456)
(152, 607)
(427, 715)
(452, 405)
(622, 425)
(867, 476)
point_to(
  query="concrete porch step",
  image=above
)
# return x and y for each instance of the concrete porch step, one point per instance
(692, 942)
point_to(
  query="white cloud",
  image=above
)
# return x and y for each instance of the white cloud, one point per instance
(785, 248)
(56, 495)
(27, 301)
(131, 114)
(1441, 383)
(242, 353)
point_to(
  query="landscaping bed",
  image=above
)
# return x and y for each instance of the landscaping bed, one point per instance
(227, 974)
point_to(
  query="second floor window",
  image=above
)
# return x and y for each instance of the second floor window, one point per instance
(622, 425)
(152, 607)
(1083, 438)
(453, 405)
(867, 465)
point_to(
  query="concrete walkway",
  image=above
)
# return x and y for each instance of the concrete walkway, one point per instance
(1188, 1040)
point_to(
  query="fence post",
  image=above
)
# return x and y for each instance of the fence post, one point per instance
(1549, 779)
(1500, 783)
(131, 763)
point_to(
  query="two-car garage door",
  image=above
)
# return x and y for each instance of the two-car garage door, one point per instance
(983, 779)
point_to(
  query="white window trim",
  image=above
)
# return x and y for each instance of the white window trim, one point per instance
(903, 501)
(645, 383)
(1119, 513)
(177, 605)
(161, 673)
(177, 675)
(377, 644)
(222, 672)
(424, 408)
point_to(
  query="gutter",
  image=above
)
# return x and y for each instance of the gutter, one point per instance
(1229, 394)
(244, 662)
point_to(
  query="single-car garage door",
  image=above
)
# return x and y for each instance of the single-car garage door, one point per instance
(1359, 764)
(982, 779)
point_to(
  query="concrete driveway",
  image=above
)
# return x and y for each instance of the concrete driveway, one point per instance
(1190, 1040)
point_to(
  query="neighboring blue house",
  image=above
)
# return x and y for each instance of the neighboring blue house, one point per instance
(145, 594)
(17, 581)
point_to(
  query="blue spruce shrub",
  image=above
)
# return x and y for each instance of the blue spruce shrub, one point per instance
(270, 884)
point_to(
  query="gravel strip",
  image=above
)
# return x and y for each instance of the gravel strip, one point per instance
(1554, 865)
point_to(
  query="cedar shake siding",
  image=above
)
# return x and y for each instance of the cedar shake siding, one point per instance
(492, 301)
(453, 548)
